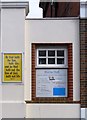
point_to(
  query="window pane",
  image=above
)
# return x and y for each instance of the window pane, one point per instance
(51, 52)
(60, 60)
(42, 53)
(42, 60)
(51, 60)
(60, 53)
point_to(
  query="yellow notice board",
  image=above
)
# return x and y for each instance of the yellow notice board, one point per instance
(12, 67)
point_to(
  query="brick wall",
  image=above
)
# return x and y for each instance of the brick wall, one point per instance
(69, 98)
(83, 61)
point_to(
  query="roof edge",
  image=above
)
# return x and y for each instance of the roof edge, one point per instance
(83, 3)
(15, 4)
(57, 18)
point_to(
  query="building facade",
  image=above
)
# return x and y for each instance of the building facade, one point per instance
(42, 64)
(73, 10)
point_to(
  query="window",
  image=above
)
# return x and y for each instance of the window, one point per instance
(52, 57)
(51, 71)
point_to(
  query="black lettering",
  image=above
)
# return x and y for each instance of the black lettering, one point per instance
(6, 72)
(8, 69)
(8, 76)
(15, 72)
(11, 63)
(17, 69)
(13, 75)
(18, 75)
(6, 66)
(16, 63)
(15, 66)
(10, 66)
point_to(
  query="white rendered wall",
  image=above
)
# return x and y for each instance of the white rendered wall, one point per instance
(0, 73)
(86, 113)
(12, 26)
(52, 31)
(52, 111)
(76, 64)
(83, 9)
(12, 41)
(83, 113)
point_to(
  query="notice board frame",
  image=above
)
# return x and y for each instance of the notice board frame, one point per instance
(66, 88)
(21, 67)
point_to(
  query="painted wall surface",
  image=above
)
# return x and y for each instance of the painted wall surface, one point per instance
(52, 110)
(86, 113)
(52, 31)
(83, 10)
(13, 34)
(0, 73)
(12, 27)
(12, 41)
(83, 113)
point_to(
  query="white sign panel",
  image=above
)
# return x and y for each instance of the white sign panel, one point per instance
(51, 82)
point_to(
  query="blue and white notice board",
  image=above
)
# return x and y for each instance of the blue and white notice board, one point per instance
(51, 83)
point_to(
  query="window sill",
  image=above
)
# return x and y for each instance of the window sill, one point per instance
(51, 67)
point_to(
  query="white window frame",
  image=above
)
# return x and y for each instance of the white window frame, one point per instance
(65, 65)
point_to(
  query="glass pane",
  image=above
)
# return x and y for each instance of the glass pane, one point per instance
(60, 53)
(51, 52)
(42, 60)
(42, 53)
(51, 60)
(60, 60)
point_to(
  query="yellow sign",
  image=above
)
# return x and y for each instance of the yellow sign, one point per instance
(12, 67)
